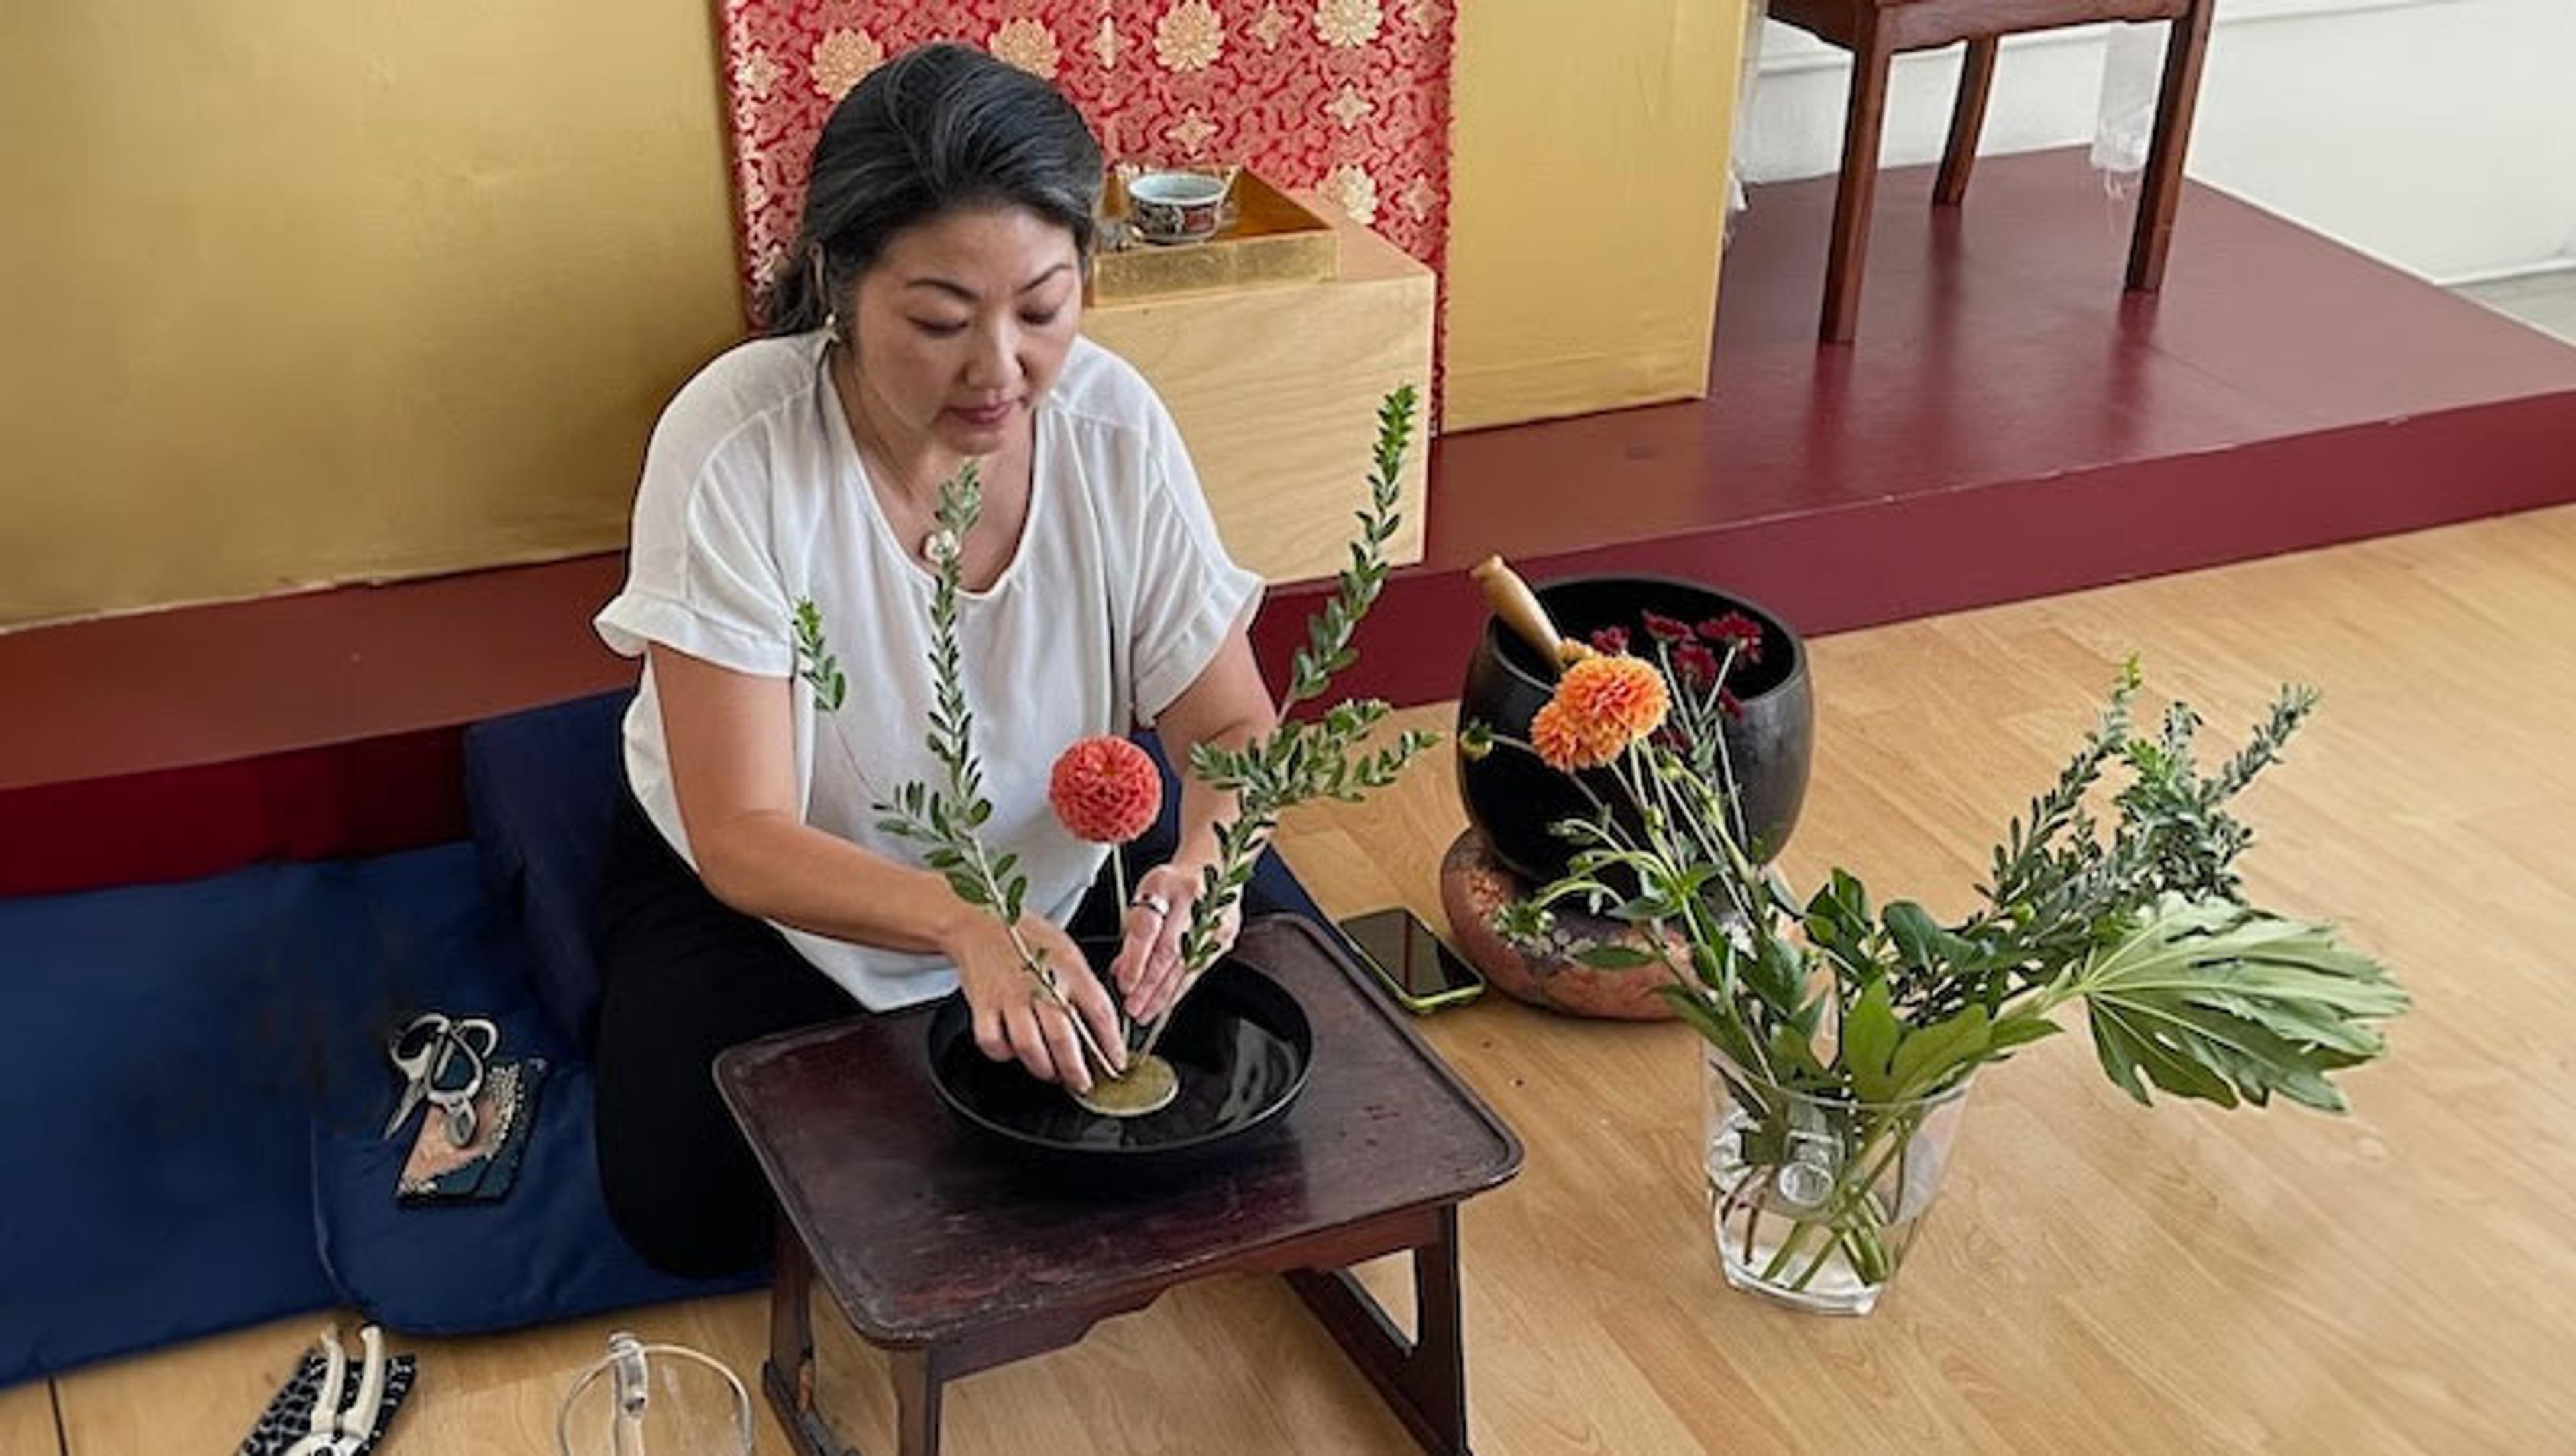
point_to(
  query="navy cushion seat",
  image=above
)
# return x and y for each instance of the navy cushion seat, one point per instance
(541, 788)
(547, 1251)
(163, 1045)
(196, 1082)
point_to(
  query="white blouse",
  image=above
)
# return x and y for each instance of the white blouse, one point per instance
(754, 500)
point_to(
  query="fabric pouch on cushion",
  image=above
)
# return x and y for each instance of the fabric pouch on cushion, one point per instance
(159, 1083)
(542, 788)
(545, 1252)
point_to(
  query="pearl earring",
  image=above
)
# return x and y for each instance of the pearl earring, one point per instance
(832, 325)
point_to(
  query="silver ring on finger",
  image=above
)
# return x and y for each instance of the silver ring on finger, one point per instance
(1149, 900)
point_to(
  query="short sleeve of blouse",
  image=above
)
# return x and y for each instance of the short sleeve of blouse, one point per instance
(701, 576)
(1190, 594)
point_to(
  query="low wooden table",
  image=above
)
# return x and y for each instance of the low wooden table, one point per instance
(941, 1251)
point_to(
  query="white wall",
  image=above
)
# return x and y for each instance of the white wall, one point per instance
(2437, 134)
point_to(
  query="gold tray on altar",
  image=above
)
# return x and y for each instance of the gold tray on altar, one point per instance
(1271, 238)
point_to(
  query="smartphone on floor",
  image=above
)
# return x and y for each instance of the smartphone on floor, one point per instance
(1420, 972)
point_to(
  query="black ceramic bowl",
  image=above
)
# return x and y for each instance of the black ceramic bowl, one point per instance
(1240, 1043)
(1513, 798)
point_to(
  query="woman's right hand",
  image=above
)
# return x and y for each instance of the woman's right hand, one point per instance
(1014, 1016)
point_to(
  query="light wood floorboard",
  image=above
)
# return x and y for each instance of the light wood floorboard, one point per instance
(27, 1420)
(2098, 1276)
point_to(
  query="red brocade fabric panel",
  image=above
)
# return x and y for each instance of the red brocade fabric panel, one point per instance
(1347, 97)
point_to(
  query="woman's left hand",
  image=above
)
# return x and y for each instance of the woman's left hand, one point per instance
(1148, 967)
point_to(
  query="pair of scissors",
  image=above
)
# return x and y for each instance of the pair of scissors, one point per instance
(427, 1053)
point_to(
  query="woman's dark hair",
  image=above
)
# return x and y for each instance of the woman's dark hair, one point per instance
(938, 127)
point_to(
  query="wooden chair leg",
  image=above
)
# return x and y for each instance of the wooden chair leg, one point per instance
(2185, 46)
(1967, 121)
(1863, 119)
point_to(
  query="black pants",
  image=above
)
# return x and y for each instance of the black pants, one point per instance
(683, 976)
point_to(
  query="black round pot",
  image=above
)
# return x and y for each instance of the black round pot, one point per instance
(1240, 1042)
(1512, 797)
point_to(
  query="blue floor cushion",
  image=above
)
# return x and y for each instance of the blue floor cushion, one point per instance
(163, 1046)
(546, 1250)
(543, 787)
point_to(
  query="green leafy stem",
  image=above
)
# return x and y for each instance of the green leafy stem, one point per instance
(1313, 758)
(946, 818)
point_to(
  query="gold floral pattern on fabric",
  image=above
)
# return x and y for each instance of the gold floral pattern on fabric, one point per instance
(1419, 198)
(1192, 133)
(842, 59)
(1271, 26)
(1348, 106)
(1029, 45)
(1189, 36)
(1354, 191)
(758, 74)
(1348, 23)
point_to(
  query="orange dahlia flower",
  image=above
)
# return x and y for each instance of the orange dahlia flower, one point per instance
(1105, 789)
(1602, 705)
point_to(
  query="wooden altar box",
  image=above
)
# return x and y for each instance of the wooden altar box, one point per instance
(1276, 389)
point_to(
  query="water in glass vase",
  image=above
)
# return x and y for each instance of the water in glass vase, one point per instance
(1813, 1201)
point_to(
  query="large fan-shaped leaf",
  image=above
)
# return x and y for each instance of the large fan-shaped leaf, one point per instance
(2212, 1000)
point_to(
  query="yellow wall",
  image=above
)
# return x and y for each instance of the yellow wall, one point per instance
(1589, 192)
(312, 290)
(304, 291)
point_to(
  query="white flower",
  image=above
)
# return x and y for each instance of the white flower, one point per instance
(844, 58)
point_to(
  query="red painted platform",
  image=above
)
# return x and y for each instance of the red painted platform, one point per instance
(2008, 425)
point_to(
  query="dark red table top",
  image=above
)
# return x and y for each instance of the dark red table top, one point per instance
(926, 1232)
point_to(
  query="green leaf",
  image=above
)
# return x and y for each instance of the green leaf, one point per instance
(1869, 1039)
(1919, 940)
(2211, 1000)
(1929, 1054)
(1615, 957)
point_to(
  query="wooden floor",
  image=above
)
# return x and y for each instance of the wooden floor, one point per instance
(2099, 1277)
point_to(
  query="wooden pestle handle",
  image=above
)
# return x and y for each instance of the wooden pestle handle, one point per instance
(1518, 606)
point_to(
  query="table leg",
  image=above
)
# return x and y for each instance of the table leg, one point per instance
(918, 1375)
(787, 1376)
(1424, 1379)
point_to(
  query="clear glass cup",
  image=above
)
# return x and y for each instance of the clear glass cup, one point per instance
(654, 1400)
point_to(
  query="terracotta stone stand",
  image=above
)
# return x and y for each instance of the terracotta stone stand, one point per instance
(941, 1250)
(1474, 884)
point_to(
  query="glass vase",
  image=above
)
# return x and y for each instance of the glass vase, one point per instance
(1814, 1200)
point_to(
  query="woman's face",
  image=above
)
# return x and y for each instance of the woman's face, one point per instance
(963, 323)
